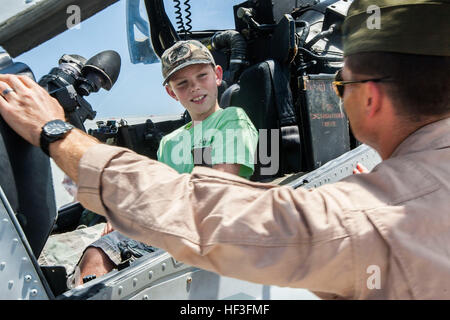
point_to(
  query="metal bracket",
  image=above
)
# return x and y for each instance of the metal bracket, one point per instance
(20, 276)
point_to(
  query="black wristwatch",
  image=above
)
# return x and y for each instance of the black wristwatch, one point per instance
(53, 131)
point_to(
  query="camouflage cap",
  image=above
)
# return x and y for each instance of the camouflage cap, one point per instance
(183, 54)
(402, 26)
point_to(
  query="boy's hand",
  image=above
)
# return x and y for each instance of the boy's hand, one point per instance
(360, 169)
(108, 228)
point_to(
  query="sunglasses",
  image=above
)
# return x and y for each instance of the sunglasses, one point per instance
(339, 84)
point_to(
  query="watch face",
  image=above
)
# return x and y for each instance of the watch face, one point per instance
(56, 128)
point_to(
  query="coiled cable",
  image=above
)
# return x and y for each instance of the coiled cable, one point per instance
(188, 16)
(179, 16)
(183, 28)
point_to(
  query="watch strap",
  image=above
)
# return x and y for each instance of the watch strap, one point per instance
(45, 144)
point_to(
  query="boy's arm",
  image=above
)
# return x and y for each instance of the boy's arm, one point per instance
(240, 163)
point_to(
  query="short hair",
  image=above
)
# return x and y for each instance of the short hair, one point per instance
(420, 86)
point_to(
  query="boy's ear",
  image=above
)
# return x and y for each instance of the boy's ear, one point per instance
(170, 92)
(219, 74)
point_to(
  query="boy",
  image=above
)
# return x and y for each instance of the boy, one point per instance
(192, 78)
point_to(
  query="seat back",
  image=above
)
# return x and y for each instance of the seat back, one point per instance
(26, 178)
(263, 92)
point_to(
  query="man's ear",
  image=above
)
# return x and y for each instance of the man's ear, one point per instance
(374, 98)
(219, 74)
(171, 92)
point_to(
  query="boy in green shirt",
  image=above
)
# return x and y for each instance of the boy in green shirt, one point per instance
(224, 139)
(192, 78)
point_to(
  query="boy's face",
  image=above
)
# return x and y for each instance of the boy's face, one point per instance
(195, 86)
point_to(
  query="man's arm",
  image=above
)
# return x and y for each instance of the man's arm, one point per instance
(217, 221)
(68, 152)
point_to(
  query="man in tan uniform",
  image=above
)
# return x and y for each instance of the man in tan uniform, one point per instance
(384, 234)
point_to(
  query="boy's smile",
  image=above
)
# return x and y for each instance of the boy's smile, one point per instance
(199, 99)
(195, 86)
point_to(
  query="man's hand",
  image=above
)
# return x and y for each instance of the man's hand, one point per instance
(28, 107)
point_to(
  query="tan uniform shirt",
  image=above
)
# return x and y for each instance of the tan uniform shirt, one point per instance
(382, 235)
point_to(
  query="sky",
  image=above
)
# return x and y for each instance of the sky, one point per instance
(138, 90)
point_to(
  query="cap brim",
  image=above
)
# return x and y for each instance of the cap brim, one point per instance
(184, 65)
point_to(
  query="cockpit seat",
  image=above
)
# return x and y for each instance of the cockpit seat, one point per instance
(263, 92)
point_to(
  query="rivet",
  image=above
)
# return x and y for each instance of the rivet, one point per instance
(10, 284)
(189, 280)
(33, 292)
(15, 243)
(5, 220)
(150, 274)
(28, 278)
(163, 267)
(135, 281)
(119, 291)
(2, 266)
(145, 297)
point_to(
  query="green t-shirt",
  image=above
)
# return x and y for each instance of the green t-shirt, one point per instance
(226, 136)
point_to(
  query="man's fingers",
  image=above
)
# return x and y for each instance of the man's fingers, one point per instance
(17, 84)
(4, 106)
(28, 82)
(6, 91)
(11, 86)
(11, 81)
(20, 84)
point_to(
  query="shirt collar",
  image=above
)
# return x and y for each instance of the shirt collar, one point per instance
(435, 135)
(189, 124)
